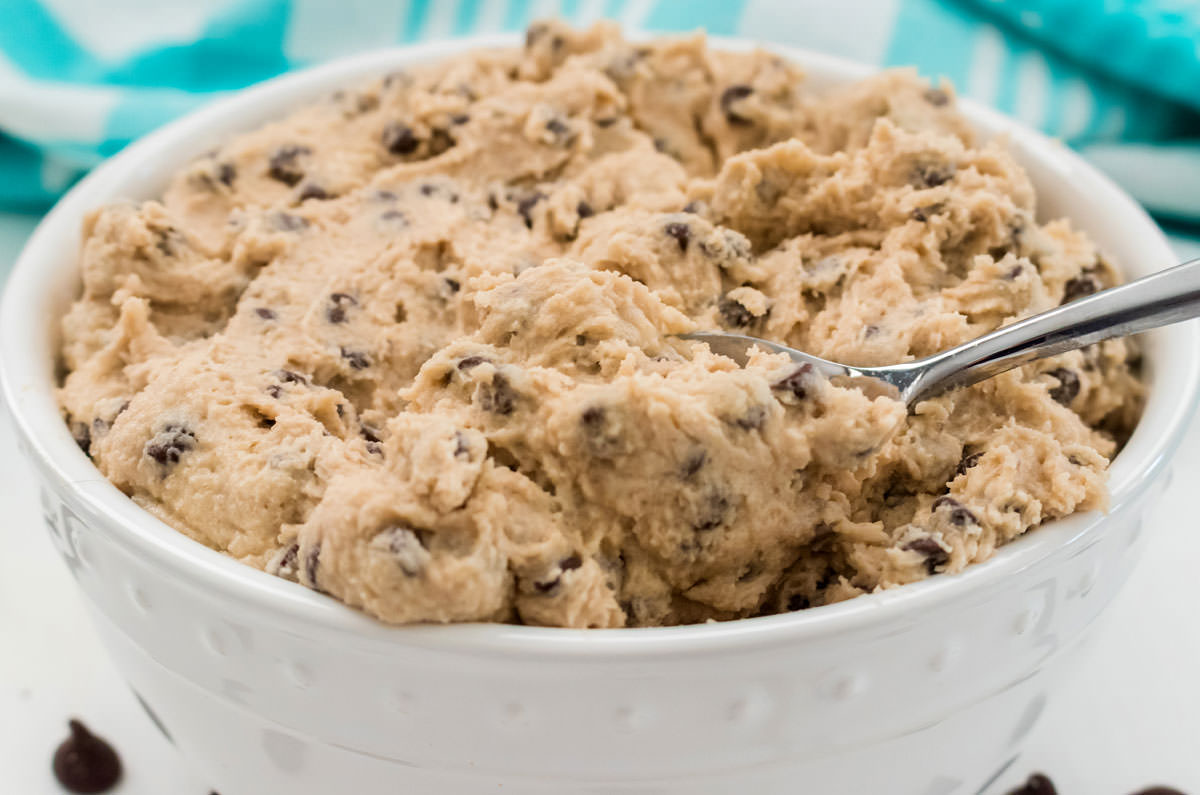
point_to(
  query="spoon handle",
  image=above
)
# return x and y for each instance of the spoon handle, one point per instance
(1159, 299)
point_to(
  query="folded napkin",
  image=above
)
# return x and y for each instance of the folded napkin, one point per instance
(1120, 79)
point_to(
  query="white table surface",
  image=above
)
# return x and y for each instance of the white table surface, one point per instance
(1128, 719)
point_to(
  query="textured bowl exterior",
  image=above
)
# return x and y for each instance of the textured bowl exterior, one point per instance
(266, 687)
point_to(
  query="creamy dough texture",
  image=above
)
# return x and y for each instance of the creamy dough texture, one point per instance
(410, 346)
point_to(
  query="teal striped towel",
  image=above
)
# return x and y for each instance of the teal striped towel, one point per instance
(1119, 79)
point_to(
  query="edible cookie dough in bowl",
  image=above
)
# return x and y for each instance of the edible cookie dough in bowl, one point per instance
(389, 343)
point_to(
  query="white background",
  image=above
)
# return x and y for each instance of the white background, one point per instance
(1128, 718)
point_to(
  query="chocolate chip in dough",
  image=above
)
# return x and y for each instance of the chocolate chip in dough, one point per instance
(693, 463)
(959, 515)
(930, 175)
(525, 207)
(1068, 385)
(410, 548)
(934, 554)
(713, 513)
(356, 359)
(284, 164)
(733, 314)
(311, 190)
(730, 97)
(339, 304)
(797, 383)
(85, 763)
(168, 445)
(968, 461)
(1079, 287)
(498, 397)
(681, 232)
(399, 139)
(82, 435)
(226, 174)
(550, 584)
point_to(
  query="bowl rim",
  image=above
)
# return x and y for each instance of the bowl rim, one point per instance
(27, 383)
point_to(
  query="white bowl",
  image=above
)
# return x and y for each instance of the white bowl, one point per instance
(267, 687)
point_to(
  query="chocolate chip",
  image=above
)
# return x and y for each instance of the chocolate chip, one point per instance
(930, 175)
(796, 383)
(394, 216)
(168, 445)
(312, 562)
(274, 391)
(265, 313)
(168, 239)
(374, 448)
(1016, 271)
(584, 210)
(369, 433)
(1037, 784)
(733, 314)
(290, 377)
(731, 96)
(409, 547)
(356, 359)
(286, 222)
(311, 190)
(339, 304)
(82, 435)
(284, 565)
(85, 763)
(453, 285)
(1159, 791)
(693, 463)
(713, 513)
(226, 174)
(797, 601)
(1068, 385)
(467, 362)
(754, 418)
(923, 214)
(284, 164)
(693, 207)
(525, 207)
(462, 448)
(399, 138)
(681, 232)
(549, 585)
(934, 554)
(959, 515)
(498, 397)
(460, 118)
(607, 121)
(1079, 287)
(602, 431)
(968, 461)
(936, 97)
(560, 131)
(870, 331)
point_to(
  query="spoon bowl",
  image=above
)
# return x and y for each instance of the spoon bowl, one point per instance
(1162, 298)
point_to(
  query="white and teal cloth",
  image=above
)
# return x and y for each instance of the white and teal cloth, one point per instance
(1119, 79)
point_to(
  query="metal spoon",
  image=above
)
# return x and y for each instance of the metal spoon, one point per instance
(1159, 299)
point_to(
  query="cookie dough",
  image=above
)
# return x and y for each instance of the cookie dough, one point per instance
(411, 345)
